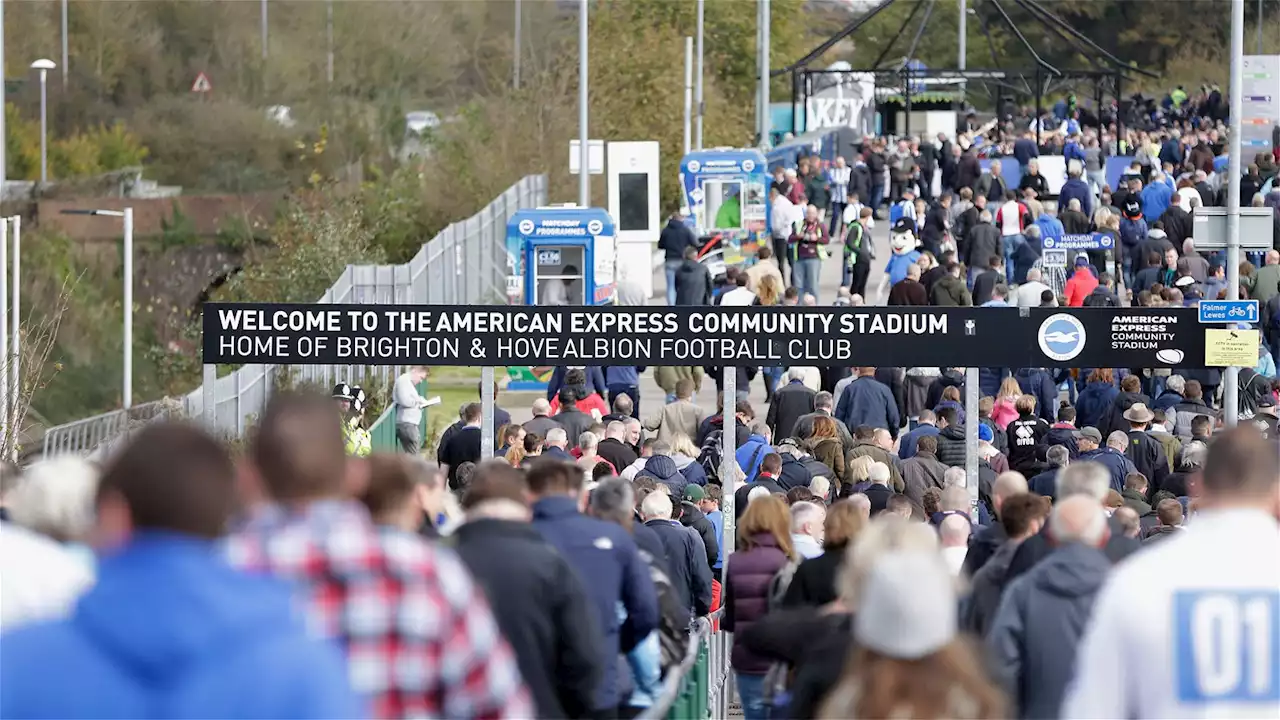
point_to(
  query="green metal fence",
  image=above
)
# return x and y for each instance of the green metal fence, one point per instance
(383, 432)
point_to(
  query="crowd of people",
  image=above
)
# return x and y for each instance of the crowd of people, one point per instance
(864, 576)
(832, 450)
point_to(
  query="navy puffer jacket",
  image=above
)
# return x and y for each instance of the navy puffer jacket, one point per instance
(663, 469)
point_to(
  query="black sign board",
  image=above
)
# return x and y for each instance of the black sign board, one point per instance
(504, 335)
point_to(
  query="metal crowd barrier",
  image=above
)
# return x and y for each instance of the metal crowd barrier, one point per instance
(698, 687)
(82, 436)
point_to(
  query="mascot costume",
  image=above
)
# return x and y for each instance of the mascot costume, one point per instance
(903, 244)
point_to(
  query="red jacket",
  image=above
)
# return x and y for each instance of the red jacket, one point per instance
(586, 405)
(1079, 286)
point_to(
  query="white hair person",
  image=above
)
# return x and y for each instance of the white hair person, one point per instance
(56, 498)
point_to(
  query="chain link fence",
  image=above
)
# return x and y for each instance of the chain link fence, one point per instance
(464, 264)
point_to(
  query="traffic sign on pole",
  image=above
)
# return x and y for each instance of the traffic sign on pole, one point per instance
(1228, 311)
(202, 84)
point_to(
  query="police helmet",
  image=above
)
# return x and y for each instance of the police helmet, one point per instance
(359, 400)
(342, 391)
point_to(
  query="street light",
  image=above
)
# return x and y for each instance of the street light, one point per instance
(44, 65)
(127, 215)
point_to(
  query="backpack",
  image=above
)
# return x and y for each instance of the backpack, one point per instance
(673, 635)
(1253, 386)
(711, 454)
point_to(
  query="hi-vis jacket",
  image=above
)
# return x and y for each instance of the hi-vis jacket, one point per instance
(358, 441)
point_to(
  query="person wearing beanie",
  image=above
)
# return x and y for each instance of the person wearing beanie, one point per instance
(691, 516)
(905, 628)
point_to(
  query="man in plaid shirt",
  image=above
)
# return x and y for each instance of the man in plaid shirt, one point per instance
(419, 636)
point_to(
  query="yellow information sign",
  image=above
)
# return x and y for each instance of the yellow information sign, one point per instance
(1231, 348)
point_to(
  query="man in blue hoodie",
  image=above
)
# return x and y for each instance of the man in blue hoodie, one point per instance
(1156, 196)
(171, 629)
(605, 555)
(751, 453)
(1075, 188)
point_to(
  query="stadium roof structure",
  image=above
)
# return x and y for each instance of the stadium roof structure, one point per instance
(1106, 71)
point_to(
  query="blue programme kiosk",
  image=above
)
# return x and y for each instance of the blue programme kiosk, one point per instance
(558, 255)
(727, 192)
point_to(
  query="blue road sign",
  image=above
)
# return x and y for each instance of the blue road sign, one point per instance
(1084, 241)
(1228, 311)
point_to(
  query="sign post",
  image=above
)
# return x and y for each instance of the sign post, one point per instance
(1228, 311)
(486, 413)
(971, 401)
(202, 85)
(489, 335)
(728, 458)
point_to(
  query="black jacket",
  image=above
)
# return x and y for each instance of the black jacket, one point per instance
(987, 583)
(690, 572)
(982, 242)
(1102, 296)
(949, 378)
(575, 422)
(1025, 435)
(879, 496)
(1074, 222)
(1035, 182)
(462, 446)
(984, 286)
(937, 220)
(740, 495)
(692, 517)
(1178, 224)
(1115, 421)
(951, 446)
(542, 610)
(1153, 244)
(693, 284)
(814, 583)
(618, 453)
(788, 404)
(983, 545)
(1148, 456)
(675, 237)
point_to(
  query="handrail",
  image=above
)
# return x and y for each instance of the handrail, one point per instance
(692, 668)
(673, 685)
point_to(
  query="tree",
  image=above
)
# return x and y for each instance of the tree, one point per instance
(38, 334)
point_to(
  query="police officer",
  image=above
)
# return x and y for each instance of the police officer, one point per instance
(353, 402)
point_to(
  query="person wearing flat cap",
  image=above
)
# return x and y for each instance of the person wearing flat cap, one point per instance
(1146, 452)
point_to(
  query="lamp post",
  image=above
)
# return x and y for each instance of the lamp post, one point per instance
(15, 337)
(127, 216)
(584, 148)
(44, 65)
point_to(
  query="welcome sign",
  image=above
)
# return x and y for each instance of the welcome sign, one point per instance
(707, 336)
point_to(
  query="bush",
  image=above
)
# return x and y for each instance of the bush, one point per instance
(96, 151)
(222, 146)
